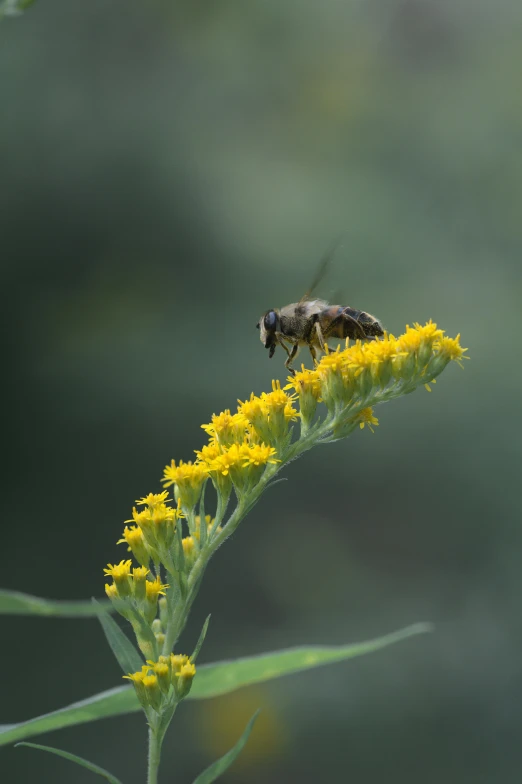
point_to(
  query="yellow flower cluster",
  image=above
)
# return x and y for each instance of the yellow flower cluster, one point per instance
(188, 480)
(159, 680)
(243, 443)
(349, 377)
(154, 529)
(134, 590)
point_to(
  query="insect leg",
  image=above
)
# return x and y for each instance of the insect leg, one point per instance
(345, 318)
(283, 344)
(313, 352)
(320, 337)
(291, 355)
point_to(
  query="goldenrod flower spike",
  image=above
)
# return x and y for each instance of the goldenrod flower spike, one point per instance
(244, 453)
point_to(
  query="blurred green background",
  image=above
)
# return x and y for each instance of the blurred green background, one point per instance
(169, 171)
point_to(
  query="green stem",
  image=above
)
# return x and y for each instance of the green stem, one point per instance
(154, 756)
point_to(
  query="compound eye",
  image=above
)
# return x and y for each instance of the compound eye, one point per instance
(270, 320)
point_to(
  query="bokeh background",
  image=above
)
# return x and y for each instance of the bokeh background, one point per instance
(169, 171)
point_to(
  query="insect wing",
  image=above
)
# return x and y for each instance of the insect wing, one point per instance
(322, 268)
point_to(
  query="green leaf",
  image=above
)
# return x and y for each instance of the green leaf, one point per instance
(210, 681)
(113, 702)
(215, 770)
(126, 654)
(16, 603)
(201, 640)
(73, 758)
(220, 678)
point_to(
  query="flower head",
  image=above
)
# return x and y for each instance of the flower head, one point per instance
(227, 428)
(307, 384)
(242, 462)
(188, 478)
(152, 500)
(133, 537)
(155, 588)
(120, 573)
(366, 418)
(451, 349)
(157, 522)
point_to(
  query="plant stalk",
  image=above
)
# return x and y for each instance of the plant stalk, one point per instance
(155, 742)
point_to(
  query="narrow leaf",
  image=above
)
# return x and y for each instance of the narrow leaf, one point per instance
(113, 702)
(215, 770)
(126, 654)
(201, 640)
(16, 603)
(223, 677)
(210, 681)
(73, 758)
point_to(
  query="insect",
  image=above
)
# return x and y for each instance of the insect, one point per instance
(312, 322)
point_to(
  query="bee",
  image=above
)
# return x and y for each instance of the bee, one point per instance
(312, 322)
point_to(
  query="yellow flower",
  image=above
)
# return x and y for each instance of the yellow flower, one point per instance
(133, 536)
(183, 679)
(428, 332)
(139, 580)
(277, 400)
(332, 361)
(177, 661)
(111, 591)
(189, 479)
(451, 348)
(155, 588)
(120, 573)
(157, 523)
(162, 671)
(209, 451)
(366, 418)
(229, 458)
(152, 691)
(256, 412)
(278, 406)
(241, 461)
(307, 384)
(137, 680)
(191, 474)
(187, 670)
(153, 499)
(253, 408)
(258, 454)
(361, 368)
(410, 341)
(336, 377)
(227, 428)
(305, 381)
(136, 677)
